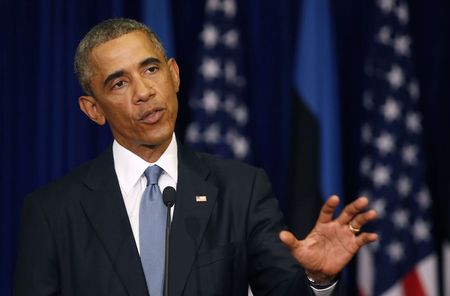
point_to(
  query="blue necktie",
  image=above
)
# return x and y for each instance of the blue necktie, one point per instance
(152, 227)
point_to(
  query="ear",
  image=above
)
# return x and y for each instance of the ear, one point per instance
(90, 107)
(174, 73)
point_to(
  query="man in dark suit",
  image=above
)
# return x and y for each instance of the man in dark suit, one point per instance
(81, 235)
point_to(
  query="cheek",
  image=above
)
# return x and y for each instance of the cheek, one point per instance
(174, 104)
(119, 115)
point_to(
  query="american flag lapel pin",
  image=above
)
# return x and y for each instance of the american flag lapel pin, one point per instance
(200, 198)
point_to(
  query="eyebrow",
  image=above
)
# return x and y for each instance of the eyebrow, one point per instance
(113, 76)
(119, 73)
(149, 61)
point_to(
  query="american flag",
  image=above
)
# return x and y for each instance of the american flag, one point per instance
(392, 165)
(219, 113)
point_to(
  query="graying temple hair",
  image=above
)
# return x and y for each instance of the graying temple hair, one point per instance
(103, 32)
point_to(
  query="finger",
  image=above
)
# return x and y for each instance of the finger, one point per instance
(352, 209)
(288, 239)
(326, 213)
(361, 219)
(366, 238)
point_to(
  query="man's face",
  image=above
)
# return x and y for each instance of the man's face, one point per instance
(134, 90)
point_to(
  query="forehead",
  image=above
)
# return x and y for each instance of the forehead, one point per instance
(123, 52)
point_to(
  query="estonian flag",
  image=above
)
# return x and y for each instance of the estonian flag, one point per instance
(316, 151)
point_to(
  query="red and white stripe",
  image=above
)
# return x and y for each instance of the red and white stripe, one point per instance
(421, 281)
(446, 268)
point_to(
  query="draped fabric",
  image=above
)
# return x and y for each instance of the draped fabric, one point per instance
(157, 14)
(218, 101)
(43, 134)
(315, 82)
(392, 166)
(430, 32)
(316, 135)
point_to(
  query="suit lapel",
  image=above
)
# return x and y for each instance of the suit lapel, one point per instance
(105, 209)
(190, 217)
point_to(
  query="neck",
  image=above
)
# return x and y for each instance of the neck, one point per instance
(149, 153)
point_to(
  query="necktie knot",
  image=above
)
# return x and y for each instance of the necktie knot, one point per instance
(152, 174)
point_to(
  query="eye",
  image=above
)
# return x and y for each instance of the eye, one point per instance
(152, 69)
(118, 84)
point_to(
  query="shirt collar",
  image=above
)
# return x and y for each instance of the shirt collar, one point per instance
(130, 167)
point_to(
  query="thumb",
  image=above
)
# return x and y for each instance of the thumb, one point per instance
(288, 239)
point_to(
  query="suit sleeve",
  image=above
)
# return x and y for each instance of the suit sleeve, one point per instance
(273, 271)
(36, 267)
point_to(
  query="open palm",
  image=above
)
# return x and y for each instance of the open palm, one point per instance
(331, 244)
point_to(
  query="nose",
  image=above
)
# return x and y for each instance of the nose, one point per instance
(144, 90)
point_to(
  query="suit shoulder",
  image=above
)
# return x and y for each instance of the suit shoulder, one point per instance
(229, 172)
(63, 189)
(217, 163)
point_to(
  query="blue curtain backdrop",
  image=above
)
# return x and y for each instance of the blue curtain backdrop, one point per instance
(43, 132)
(44, 135)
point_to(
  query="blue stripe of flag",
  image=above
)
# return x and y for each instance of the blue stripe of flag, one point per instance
(316, 82)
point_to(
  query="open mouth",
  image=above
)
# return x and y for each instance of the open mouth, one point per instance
(152, 116)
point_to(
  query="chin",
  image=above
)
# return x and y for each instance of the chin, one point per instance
(156, 140)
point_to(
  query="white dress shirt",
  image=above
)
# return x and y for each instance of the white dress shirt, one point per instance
(130, 174)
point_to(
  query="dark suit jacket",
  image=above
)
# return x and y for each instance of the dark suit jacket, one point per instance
(76, 238)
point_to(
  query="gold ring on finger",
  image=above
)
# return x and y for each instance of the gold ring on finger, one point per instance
(354, 230)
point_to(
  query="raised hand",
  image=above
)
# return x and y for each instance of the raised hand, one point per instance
(332, 243)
